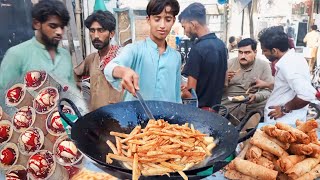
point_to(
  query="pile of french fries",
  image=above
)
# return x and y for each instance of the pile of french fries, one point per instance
(279, 151)
(160, 148)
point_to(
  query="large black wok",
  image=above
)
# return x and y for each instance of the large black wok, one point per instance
(91, 131)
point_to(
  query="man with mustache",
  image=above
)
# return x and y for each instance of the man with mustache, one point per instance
(42, 51)
(292, 90)
(150, 66)
(241, 75)
(207, 63)
(101, 25)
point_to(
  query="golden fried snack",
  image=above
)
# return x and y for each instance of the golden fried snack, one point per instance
(307, 126)
(85, 174)
(268, 155)
(264, 143)
(301, 136)
(313, 136)
(313, 174)
(283, 145)
(254, 152)
(281, 135)
(302, 167)
(238, 98)
(264, 162)
(300, 149)
(316, 150)
(253, 170)
(235, 175)
(287, 162)
(245, 149)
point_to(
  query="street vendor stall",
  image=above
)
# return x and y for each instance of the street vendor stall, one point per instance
(35, 141)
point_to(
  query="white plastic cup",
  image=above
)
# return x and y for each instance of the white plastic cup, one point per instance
(77, 162)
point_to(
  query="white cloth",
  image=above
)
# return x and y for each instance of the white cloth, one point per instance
(307, 52)
(292, 78)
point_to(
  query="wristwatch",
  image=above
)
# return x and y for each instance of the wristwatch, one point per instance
(284, 110)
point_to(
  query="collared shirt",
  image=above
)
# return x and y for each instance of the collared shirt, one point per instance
(32, 55)
(292, 79)
(159, 75)
(243, 78)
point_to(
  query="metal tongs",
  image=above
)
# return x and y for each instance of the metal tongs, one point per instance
(144, 105)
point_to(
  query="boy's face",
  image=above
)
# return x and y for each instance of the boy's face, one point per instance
(161, 24)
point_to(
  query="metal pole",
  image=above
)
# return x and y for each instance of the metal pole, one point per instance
(311, 22)
(225, 22)
(78, 12)
(242, 22)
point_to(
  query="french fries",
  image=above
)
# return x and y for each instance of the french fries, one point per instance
(160, 148)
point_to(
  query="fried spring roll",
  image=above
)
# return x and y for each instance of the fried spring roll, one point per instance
(276, 166)
(269, 129)
(235, 175)
(244, 151)
(313, 136)
(316, 150)
(267, 145)
(268, 155)
(230, 166)
(264, 162)
(313, 174)
(254, 152)
(281, 135)
(307, 126)
(287, 162)
(254, 170)
(301, 136)
(302, 167)
(300, 149)
(283, 145)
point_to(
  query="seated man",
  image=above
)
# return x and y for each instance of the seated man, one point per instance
(241, 77)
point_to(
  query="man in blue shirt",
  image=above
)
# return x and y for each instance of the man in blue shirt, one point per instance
(150, 66)
(42, 51)
(207, 63)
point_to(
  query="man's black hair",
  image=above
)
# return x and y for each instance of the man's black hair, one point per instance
(194, 12)
(232, 39)
(104, 18)
(274, 38)
(314, 27)
(155, 7)
(45, 8)
(281, 28)
(247, 42)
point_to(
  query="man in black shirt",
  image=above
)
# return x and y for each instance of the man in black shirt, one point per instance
(207, 63)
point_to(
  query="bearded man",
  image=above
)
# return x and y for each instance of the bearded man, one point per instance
(49, 17)
(101, 25)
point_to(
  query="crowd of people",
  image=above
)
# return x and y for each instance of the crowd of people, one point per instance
(154, 68)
